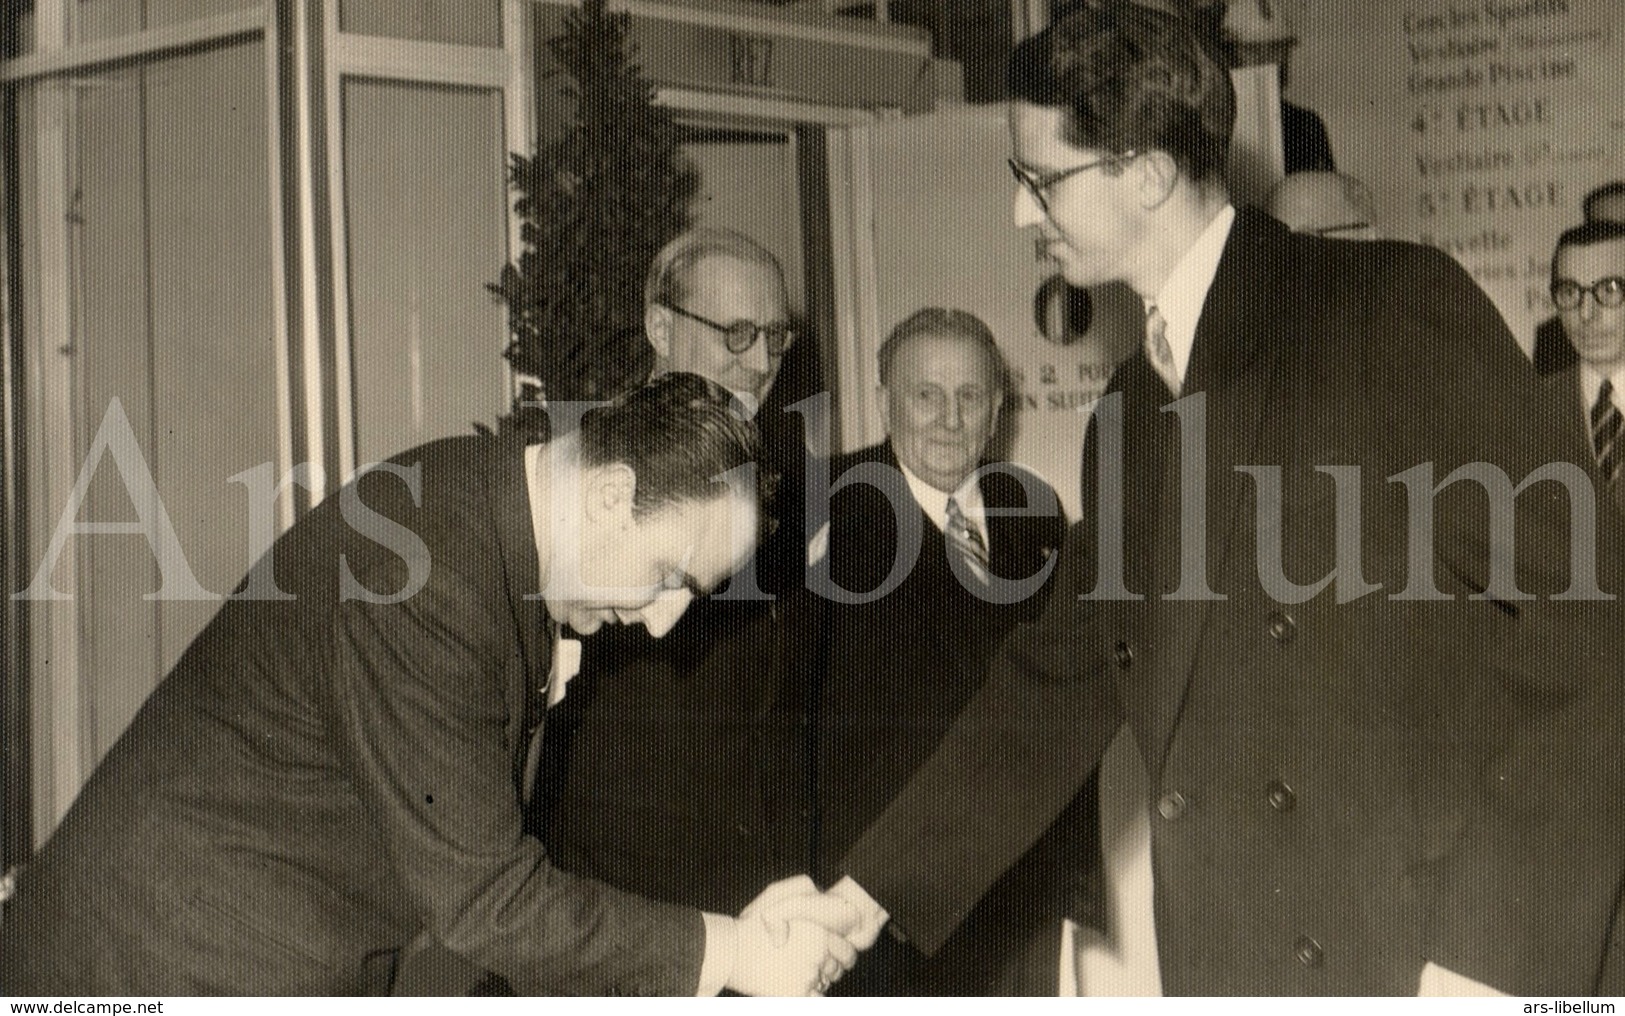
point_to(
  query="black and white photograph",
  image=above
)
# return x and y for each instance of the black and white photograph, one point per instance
(1115, 499)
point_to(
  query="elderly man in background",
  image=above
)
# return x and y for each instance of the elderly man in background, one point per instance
(933, 556)
(1588, 289)
(1553, 353)
(684, 774)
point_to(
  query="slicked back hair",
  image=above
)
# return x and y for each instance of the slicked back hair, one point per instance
(1587, 233)
(953, 323)
(671, 274)
(682, 436)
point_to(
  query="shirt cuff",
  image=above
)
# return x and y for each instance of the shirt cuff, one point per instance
(1439, 982)
(721, 946)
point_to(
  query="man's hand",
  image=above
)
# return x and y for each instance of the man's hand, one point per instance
(792, 940)
(871, 915)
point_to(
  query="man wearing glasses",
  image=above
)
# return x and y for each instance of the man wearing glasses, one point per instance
(715, 305)
(1588, 287)
(685, 774)
(1362, 741)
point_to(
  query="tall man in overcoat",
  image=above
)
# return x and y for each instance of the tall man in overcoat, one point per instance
(1382, 752)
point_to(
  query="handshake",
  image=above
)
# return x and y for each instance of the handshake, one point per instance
(795, 940)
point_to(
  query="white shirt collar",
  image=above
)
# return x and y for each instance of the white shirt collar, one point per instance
(1591, 382)
(935, 503)
(1181, 297)
(539, 528)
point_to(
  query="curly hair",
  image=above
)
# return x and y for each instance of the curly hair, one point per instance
(1131, 78)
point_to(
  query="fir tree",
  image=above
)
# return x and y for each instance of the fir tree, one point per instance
(596, 204)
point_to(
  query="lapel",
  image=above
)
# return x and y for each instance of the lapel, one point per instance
(930, 601)
(1237, 354)
(1145, 451)
(521, 567)
(1573, 407)
(1017, 544)
(1573, 411)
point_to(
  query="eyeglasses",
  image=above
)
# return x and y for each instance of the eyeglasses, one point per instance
(1341, 230)
(741, 335)
(1038, 185)
(1568, 294)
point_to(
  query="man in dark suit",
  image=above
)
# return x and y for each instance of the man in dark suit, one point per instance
(684, 774)
(973, 545)
(1365, 735)
(1553, 353)
(337, 763)
(1588, 288)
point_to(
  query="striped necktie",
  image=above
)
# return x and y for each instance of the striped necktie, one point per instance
(966, 540)
(1606, 427)
(1157, 349)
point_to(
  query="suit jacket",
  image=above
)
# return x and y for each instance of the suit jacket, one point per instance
(1568, 405)
(895, 672)
(682, 771)
(324, 776)
(1553, 353)
(899, 668)
(1344, 781)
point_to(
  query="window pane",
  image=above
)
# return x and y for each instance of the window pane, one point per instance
(168, 314)
(426, 214)
(109, 19)
(463, 22)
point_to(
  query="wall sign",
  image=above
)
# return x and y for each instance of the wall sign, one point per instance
(1479, 124)
(801, 59)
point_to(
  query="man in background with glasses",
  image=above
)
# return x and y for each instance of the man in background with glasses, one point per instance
(1361, 749)
(1588, 287)
(715, 305)
(1553, 353)
(684, 777)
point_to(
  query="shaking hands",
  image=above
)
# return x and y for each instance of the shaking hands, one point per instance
(795, 940)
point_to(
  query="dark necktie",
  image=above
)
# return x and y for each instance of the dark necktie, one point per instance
(1606, 426)
(536, 708)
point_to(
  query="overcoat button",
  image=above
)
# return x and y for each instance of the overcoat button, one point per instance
(1308, 952)
(1172, 805)
(1280, 796)
(1281, 627)
(1124, 653)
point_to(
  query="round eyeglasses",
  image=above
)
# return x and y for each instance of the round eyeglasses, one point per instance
(1039, 184)
(741, 335)
(1568, 294)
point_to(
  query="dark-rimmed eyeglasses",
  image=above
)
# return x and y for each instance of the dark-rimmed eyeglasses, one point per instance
(1342, 230)
(1039, 185)
(741, 335)
(1568, 294)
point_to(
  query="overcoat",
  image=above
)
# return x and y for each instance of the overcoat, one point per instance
(1411, 762)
